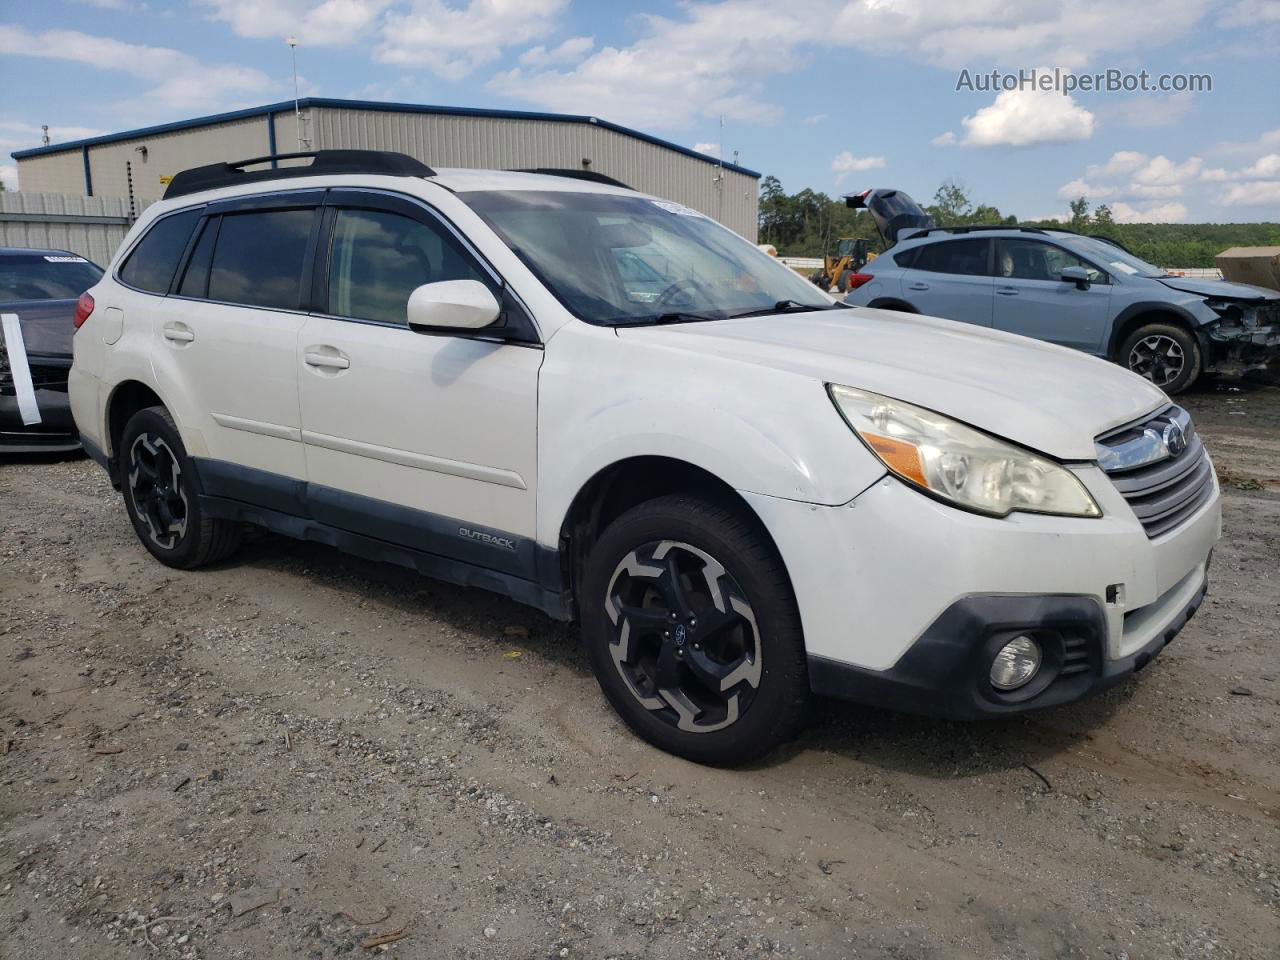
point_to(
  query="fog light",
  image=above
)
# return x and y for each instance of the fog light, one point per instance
(1015, 664)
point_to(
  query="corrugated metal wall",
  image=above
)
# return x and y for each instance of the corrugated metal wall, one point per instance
(505, 143)
(441, 140)
(89, 226)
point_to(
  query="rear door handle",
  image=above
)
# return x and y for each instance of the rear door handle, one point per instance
(1007, 291)
(333, 361)
(918, 286)
(177, 333)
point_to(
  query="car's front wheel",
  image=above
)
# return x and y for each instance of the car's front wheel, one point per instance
(161, 493)
(693, 632)
(1167, 355)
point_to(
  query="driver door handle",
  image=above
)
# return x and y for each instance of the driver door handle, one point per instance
(918, 286)
(177, 333)
(1007, 291)
(330, 360)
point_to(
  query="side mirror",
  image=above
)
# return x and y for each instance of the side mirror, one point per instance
(452, 305)
(1077, 275)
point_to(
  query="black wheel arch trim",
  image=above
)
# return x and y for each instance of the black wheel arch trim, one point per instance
(1136, 314)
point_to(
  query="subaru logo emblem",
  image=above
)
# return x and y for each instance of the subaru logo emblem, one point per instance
(1175, 439)
(680, 634)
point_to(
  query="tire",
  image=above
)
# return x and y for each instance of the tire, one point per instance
(1165, 354)
(843, 283)
(721, 693)
(161, 492)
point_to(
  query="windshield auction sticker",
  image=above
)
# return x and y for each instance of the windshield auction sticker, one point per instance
(677, 208)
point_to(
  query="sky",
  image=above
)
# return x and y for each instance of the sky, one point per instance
(835, 96)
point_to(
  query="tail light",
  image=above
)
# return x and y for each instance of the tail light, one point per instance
(84, 307)
(858, 279)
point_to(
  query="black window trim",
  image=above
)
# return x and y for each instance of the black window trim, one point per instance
(1106, 274)
(526, 332)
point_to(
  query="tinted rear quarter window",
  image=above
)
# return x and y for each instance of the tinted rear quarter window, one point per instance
(259, 258)
(967, 257)
(45, 276)
(150, 267)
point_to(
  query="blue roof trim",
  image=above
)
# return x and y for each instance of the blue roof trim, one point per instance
(287, 105)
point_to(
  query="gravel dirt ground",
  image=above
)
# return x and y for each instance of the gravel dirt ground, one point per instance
(300, 754)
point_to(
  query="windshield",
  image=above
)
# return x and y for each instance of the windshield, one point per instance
(615, 260)
(39, 276)
(1110, 256)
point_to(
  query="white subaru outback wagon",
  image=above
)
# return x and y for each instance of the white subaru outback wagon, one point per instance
(611, 408)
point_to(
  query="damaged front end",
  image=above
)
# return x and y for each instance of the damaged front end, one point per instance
(1246, 336)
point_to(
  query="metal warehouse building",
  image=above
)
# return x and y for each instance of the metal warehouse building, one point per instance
(134, 166)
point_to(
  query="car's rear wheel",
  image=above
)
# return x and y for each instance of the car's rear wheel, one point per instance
(693, 632)
(161, 493)
(1167, 355)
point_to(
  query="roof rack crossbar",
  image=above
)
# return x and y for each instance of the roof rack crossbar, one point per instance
(230, 174)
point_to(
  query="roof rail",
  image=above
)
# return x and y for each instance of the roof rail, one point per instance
(974, 227)
(574, 174)
(216, 175)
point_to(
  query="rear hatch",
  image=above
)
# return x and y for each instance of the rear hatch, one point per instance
(893, 211)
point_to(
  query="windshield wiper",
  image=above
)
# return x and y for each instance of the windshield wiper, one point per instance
(677, 316)
(785, 306)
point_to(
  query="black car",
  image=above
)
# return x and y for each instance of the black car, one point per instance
(38, 294)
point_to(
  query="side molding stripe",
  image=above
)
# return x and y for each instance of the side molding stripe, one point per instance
(260, 427)
(405, 458)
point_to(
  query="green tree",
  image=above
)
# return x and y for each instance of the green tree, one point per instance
(1079, 214)
(951, 203)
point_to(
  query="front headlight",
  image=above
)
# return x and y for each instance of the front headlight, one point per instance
(960, 464)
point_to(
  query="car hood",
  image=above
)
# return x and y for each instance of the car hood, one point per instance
(1038, 395)
(1220, 289)
(46, 325)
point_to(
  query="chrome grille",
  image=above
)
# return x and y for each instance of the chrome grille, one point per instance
(1160, 467)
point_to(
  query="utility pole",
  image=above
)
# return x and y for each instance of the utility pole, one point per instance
(297, 110)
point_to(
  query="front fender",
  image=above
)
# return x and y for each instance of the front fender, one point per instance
(603, 399)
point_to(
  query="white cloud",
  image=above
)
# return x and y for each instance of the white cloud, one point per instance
(1259, 193)
(453, 41)
(846, 163)
(945, 139)
(1265, 143)
(1161, 171)
(710, 149)
(1122, 212)
(1265, 168)
(1120, 164)
(572, 49)
(715, 56)
(327, 23)
(814, 119)
(1023, 118)
(182, 83)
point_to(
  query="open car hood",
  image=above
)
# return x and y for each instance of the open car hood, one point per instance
(892, 210)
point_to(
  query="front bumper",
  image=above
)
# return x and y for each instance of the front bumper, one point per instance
(905, 594)
(946, 671)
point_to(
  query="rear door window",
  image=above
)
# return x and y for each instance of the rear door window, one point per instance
(151, 264)
(259, 257)
(967, 257)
